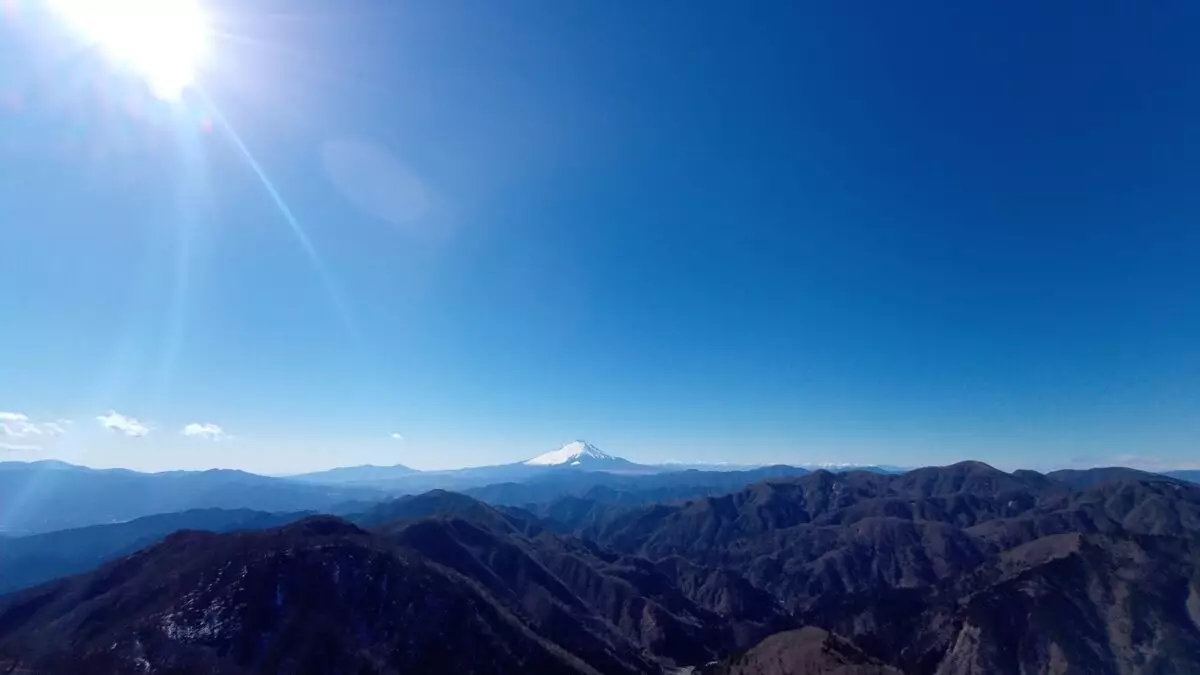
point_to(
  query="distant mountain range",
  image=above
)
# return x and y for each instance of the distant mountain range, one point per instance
(575, 456)
(46, 496)
(955, 570)
(28, 560)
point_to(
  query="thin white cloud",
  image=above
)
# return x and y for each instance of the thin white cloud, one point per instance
(20, 447)
(396, 436)
(54, 429)
(17, 425)
(115, 421)
(208, 431)
(1146, 462)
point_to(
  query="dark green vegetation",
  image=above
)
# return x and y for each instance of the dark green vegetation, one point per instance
(942, 571)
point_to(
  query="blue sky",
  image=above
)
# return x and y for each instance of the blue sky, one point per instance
(850, 232)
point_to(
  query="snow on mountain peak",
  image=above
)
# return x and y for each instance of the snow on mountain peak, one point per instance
(571, 454)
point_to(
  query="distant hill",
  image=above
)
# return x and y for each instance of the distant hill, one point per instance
(349, 475)
(1192, 476)
(46, 496)
(31, 560)
(1085, 478)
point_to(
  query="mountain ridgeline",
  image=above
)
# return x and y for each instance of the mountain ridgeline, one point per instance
(953, 570)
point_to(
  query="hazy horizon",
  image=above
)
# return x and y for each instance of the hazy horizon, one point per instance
(1082, 462)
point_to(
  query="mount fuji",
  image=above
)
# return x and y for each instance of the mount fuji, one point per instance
(580, 455)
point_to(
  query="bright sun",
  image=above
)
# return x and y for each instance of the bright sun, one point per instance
(162, 40)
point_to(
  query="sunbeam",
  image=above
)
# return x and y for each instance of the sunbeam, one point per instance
(301, 237)
(191, 196)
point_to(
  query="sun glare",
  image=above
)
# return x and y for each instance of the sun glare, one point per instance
(161, 40)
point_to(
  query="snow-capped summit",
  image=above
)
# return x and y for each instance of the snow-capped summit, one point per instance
(575, 453)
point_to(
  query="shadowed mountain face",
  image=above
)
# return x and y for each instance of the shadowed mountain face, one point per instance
(941, 571)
